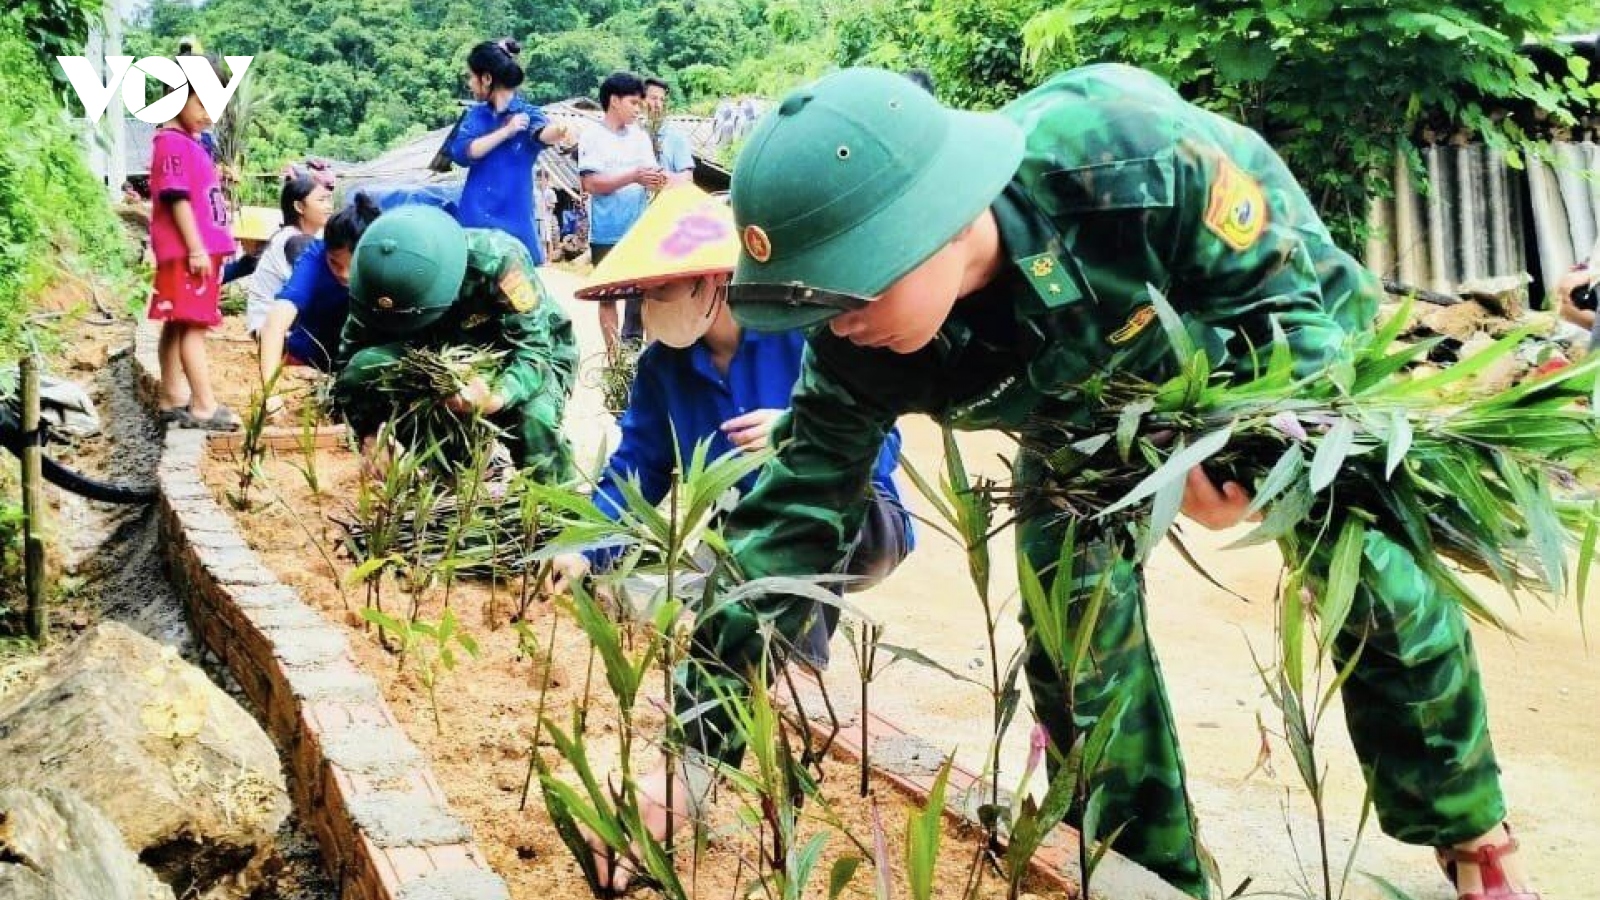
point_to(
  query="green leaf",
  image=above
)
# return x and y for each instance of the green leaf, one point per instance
(1331, 454)
(1390, 890)
(921, 659)
(1400, 436)
(1459, 373)
(371, 568)
(923, 829)
(1241, 59)
(1163, 512)
(844, 871)
(1178, 337)
(1128, 425)
(1591, 533)
(1344, 576)
(383, 620)
(802, 863)
(1176, 468)
(1291, 629)
(1284, 472)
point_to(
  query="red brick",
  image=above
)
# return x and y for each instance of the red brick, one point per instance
(425, 783)
(455, 856)
(409, 863)
(328, 715)
(376, 869)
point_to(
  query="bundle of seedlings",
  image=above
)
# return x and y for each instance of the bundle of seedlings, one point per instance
(488, 535)
(418, 386)
(1489, 481)
(613, 377)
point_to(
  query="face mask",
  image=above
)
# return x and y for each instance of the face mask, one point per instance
(679, 314)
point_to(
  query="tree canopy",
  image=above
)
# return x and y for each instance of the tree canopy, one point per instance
(1336, 87)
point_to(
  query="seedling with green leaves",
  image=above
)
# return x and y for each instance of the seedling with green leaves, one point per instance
(967, 506)
(252, 449)
(430, 647)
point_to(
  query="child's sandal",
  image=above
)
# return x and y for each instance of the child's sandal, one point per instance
(221, 419)
(1487, 858)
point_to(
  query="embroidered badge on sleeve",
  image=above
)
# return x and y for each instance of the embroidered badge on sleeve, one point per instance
(1237, 211)
(518, 290)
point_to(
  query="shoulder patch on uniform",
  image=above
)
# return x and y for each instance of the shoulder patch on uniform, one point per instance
(1141, 318)
(518, 290)
(1237, 210)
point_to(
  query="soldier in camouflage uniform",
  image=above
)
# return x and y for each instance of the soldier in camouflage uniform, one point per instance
(979, 268)
(424, 281)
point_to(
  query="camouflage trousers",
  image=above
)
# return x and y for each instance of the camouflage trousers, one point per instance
(534, 437)
(1414, 706)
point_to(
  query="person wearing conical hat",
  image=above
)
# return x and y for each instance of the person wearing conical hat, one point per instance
(993, 271)
(418, 279)
(706, 378)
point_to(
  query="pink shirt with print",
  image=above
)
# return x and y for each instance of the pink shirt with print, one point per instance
(180, 168)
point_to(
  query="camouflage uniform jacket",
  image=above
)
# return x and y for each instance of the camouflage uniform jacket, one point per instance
(501, 306)
(1124, 186)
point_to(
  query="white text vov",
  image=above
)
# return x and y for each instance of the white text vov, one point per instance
(182, 75)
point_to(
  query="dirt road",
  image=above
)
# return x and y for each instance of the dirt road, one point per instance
(1544, 692)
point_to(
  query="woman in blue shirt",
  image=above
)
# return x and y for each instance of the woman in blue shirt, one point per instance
(704, 377)
(303, 324)
(499, 140)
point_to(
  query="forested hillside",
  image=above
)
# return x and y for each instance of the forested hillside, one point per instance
(1337, 88)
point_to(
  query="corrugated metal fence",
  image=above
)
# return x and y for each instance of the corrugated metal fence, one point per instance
(1481, 218)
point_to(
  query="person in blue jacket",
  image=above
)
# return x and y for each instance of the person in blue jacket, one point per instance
(303, 324)
(499, 141)
(705, 377)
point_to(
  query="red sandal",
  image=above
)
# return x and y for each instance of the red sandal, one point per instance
(1487, 859)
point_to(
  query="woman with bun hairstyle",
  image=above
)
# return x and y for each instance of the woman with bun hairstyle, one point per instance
(499, 140)
(306, 202)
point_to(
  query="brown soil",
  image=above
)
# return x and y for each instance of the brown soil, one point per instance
(479, 750)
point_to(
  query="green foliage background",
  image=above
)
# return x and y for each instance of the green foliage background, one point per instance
(1336, 87)
(54, 216)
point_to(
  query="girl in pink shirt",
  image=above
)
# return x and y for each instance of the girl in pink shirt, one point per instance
(191, 239)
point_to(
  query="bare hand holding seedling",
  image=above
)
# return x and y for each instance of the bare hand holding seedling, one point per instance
(1215, 508)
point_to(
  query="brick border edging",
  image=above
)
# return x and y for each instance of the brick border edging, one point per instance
(362, 787)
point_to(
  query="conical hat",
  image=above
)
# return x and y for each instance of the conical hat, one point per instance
(683, 233)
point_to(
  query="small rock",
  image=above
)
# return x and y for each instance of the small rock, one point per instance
(189, 777)
(54, 846)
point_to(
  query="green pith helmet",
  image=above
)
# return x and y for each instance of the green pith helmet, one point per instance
(407, 269)
(852, 182)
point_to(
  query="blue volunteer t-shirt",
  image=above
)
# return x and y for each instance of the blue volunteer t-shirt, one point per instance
(321, 304)
(680, 394)
(499, 188)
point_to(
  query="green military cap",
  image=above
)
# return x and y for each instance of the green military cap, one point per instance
(407, 268)
(852, 182)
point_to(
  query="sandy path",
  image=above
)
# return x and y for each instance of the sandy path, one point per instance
(1544, 694)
